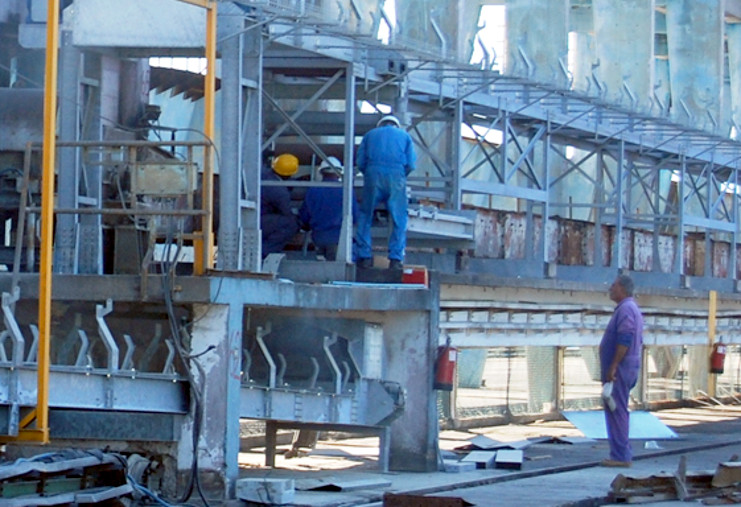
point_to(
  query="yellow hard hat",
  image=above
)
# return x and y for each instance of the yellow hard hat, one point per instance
(285, 165)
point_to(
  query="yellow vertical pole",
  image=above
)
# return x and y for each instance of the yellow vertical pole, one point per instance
(47, 216)
(712, 309)
(205, 261)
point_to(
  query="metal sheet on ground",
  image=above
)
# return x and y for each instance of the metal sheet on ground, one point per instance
(341, 483)
(485, 443)
(643, 425)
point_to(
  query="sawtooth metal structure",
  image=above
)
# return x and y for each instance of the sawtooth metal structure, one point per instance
(598, 137)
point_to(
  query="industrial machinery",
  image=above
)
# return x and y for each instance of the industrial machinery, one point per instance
(535, 184)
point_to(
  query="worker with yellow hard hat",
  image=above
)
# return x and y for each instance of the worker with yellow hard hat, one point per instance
(277, 221)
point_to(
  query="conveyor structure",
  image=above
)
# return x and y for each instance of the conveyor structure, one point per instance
(531, 192)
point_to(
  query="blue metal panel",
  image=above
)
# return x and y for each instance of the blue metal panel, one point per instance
(97, 389)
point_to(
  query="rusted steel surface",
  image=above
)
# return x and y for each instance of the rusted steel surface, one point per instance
(551, 236)
(588, 245)
(627, 239)
(572, 241)
(515, 229)
(667, 253)
(488, 234)
(694, 255)
(643, 251)
(606, 245)
(503, 235)
(721, 257)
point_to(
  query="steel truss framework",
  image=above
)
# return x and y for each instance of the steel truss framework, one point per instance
(644, 172)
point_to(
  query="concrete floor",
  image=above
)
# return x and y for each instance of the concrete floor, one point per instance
(553, 474)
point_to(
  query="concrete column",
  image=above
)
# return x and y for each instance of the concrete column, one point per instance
(219, 327)
(624, 42)
(366, 18)
(426, 21)
(134, 94)
(695, 42)
(537, 33)
(410, 340)
(360, 16)
(733, 33)
(581, 23)
(662, 89)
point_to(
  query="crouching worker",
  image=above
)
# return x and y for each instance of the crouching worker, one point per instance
(321, 212)
(277, 221)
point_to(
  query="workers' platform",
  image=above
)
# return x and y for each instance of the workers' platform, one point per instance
(557, 457)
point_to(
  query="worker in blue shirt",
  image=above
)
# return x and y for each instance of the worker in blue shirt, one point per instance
(385, 157)
(277, 221)
(321, 211)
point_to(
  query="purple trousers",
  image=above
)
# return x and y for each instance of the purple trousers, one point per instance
(618, 420)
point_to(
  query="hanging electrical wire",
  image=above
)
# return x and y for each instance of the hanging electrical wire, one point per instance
(188, 361)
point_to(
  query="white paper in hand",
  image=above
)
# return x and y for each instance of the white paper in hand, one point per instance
(607, 395)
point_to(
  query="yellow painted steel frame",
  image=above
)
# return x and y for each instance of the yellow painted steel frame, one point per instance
(40, 414)
(712, 309)
(204, 247)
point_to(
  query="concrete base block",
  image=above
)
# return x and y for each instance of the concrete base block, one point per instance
(267, 491)
(457, 467)
(509, 459)
(482, 459)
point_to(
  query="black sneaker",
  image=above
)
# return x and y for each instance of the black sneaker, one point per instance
(395, 264)
(365, 263)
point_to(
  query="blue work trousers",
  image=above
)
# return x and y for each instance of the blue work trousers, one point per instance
(277, 231)
(389, 187)
(618, 420)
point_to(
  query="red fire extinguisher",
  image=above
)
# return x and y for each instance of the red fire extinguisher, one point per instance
(445, 367)
(718, 357)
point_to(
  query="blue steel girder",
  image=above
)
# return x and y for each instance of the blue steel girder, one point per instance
(304, 107)
(443, 168)
(572, 166)
(534, 100)
(646, 143)
(97, 389)
(482, 144)
(525, 155)
(505, 166)
(647, 179)
(707, 190)
(576, 112)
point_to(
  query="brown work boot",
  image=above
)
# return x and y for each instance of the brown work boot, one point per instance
(615, 464)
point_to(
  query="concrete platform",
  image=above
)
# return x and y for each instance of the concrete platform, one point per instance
(555, 474)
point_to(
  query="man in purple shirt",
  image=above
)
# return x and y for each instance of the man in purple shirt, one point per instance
(620, 359)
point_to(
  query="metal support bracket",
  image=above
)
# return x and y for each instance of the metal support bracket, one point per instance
(106, 335)
(328, 342)
(261, 333)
